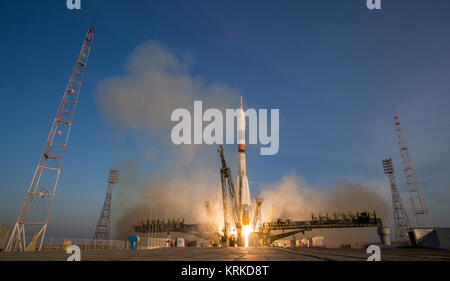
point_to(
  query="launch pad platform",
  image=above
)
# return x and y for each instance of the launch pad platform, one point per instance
(235, 254)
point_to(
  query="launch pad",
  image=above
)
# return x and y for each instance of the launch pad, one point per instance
(234, 254)
(268, 233)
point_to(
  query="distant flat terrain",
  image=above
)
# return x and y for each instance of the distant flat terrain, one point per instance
(234, 254)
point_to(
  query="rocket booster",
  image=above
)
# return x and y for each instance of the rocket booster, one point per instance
(242, 180)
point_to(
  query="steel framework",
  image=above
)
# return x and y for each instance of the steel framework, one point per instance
(229, 196)
(257, 221)
(418, 204)
(42, 188)
(401, 220)
(103, 229)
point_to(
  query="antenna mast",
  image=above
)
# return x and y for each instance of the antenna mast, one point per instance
(418, 204)
(38, 202)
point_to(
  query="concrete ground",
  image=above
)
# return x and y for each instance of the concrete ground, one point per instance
(234, 254)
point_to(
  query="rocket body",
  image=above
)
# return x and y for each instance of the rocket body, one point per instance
(241, 178)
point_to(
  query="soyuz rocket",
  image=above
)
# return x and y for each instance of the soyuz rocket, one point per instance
(241, 178)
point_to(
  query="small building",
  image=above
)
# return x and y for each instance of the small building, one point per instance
(435, 237)
(282, 243)
(302, 243)
(180, 242)
(317, 241)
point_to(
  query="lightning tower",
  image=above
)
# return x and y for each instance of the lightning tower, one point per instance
(418, 204)
(102, 231)
(401, 220)
(35, 212)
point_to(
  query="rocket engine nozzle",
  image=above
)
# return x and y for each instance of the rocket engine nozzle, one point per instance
(245, 215)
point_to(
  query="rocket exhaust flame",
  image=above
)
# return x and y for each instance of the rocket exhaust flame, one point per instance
(246, 230)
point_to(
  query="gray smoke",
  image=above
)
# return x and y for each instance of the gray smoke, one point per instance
(157, 82)
(181, 196)
(292, 198)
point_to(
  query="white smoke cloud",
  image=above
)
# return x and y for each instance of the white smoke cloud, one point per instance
(180, 196)
(157, 82)
(292, 198)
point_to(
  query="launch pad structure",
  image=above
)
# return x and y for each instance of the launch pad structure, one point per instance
(237, 207)
(265, 235)
(263, 231)
(230, 204)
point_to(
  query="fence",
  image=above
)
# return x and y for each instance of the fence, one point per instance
(52, 244)
(190, 241)
(148, 243)
(145, 242)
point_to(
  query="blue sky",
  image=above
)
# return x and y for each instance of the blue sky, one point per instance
(333, 68)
